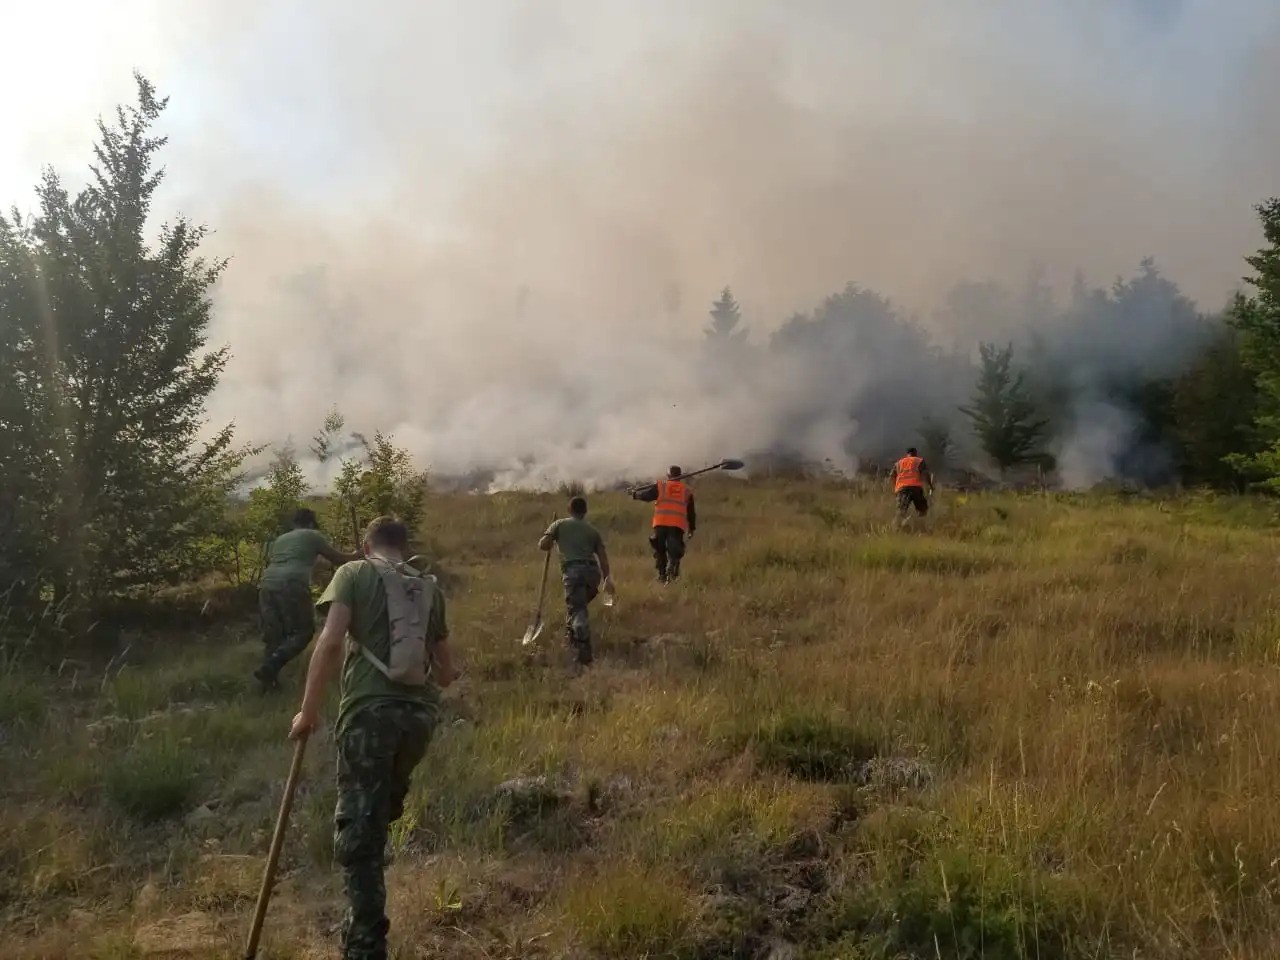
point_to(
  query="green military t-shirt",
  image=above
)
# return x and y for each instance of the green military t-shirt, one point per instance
(578, 540)
(358, 586)
(291, 557)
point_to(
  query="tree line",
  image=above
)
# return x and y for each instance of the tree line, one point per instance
(112, 483)
(1132, 383)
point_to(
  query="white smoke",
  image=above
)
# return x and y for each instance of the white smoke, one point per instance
(495, 229)
(1091, 450)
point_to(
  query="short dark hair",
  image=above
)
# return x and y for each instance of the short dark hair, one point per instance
(674, 472)
(302, 517)
(578, 506)
(911, 451)
(387, 532)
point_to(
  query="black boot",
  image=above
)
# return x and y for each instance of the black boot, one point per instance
(673, 571)
(268, 675)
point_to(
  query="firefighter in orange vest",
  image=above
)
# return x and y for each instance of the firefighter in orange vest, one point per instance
(910, 474)
(673, 518)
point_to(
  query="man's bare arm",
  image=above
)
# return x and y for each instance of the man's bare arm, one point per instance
(337, 557)
(326, 660)
(602, 556)
(442, 671)
(546, 542)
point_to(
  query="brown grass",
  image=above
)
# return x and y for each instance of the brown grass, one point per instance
(1083, 693)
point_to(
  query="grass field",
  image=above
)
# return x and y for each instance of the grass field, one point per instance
(1034, 727)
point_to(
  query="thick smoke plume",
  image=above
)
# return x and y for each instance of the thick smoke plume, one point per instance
(495, 229)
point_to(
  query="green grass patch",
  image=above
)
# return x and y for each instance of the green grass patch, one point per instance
(814, 747)
(24, 700)
(200, 677)
(154, 780)
(962, 904)
(920, 555)
(625, 912)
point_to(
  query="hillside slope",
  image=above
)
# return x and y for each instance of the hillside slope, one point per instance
(1034, 727)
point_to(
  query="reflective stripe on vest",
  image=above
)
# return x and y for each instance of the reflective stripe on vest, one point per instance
(909, 473)
(672, 506)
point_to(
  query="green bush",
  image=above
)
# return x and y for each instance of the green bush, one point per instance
(154, 780)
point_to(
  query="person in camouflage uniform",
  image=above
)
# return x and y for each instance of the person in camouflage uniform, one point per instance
(284, 595)
(382, 729)
(584, 563)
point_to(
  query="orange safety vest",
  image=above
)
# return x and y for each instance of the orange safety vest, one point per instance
(672, 506)
(909, 474)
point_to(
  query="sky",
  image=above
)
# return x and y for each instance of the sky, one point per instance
(475, 223)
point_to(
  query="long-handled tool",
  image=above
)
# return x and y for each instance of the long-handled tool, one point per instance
(273, 857)
(535, 627)
(722, 465)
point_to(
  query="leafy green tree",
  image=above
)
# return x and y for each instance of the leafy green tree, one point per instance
(273, 503)
(1003, 415)
(103, 340)
(382, 480)
(1257, 318)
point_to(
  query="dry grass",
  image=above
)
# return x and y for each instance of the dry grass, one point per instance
(1034, 727)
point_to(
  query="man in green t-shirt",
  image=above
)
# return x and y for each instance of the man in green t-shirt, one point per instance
(583, 562)
(284, 595)
(382, 729)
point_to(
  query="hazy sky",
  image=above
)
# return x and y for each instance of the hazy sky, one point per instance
(533, 192)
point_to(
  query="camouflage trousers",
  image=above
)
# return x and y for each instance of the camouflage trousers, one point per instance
(581, 586)
(288, 623)
(377, 753)
(668, 550)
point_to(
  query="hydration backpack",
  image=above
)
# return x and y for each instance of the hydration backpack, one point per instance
(410, 595)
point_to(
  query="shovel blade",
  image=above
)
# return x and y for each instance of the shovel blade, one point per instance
(532, 634)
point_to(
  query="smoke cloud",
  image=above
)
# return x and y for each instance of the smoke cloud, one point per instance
(495, 229)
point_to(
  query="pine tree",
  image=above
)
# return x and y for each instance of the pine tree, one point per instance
(103, 340)
(1214, 406)
(1258, 320)
(1003, 415)
(936, 445)
(726, 318)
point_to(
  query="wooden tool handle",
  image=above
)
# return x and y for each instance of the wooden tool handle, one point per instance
(273, 857)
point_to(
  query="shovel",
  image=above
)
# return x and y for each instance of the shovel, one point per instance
(722, 465)
(273, 857)
(535, 628)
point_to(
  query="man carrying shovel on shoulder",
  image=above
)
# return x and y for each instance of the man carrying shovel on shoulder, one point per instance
(674, 519)
(584, 562)
(393, 665)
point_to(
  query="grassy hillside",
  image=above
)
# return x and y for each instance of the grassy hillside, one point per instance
(1035, 727)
